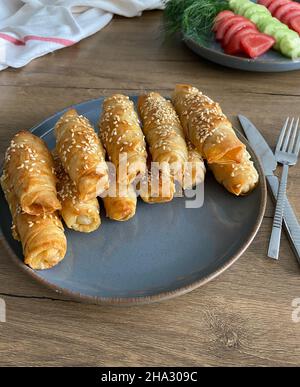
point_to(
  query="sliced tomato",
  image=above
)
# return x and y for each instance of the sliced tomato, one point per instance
(256, 44)
(281, 12)
(288, 17)
(226, 24)
(273, 7)
(234, 46)
(235, 28)
(295, 24)
(221, 16)
(266, 3)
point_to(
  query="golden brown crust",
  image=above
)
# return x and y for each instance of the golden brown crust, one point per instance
(157, 187)
(121, 135)
(79, 215)
(120, 204)
(42, 236)
(82, 154)
(163, 131)
(238, 178)
(30, 174)
(206, 126)
(194, 171)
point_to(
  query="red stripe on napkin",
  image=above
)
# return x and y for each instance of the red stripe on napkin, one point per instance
(11, 39)
(64, 42)
(18, 42)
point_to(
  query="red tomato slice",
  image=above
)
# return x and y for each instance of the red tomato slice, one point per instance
(224, 25)
(288, 16)
(221, 16)
(281, 12)
(266, 3)
(295, 24)
(273, 7)
(235, 28)
(234, 46)
(255, 44)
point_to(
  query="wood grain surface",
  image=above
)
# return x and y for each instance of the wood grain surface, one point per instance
(244, 317)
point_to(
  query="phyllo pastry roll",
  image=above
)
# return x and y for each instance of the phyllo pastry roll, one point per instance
(206, 126)
(163, 131)
(123, 138)
(157, 187)
(82, 154)
(238, 178)
(79, 215)
(194, 170)
(120, 203)
(30, 174)
(42, 236)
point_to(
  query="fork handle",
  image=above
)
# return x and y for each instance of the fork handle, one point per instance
(289, 218)
(274, 244)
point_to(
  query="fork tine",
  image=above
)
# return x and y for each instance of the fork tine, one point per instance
(292, 142)
(281, 136)
(297, 147)
(287, 136)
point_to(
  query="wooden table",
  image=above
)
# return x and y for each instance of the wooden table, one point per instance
(244, 317)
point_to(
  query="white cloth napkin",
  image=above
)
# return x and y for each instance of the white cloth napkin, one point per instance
(32, 28)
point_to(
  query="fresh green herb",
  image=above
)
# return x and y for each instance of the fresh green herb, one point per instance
(194, 18)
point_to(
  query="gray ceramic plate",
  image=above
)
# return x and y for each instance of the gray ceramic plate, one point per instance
(272, 61)
(164, 251)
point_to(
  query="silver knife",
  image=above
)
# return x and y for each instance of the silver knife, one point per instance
(267, 158)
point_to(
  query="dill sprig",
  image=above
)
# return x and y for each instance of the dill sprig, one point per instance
(194, 18)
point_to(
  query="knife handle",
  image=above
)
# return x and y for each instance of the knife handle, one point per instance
(290, 221)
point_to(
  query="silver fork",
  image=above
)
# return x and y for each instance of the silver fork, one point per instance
(287, 151)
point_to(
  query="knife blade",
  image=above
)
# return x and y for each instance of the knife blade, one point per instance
(269, 163)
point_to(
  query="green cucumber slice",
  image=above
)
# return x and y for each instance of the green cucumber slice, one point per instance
(255, 10)
(274, 25)
(270, 29)
(256, 17)
(263, 21)
(234, 4)
(244, 7)
(289, 47)
(296, 54)
(280, 33)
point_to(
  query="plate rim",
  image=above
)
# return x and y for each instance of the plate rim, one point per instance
(161, 296)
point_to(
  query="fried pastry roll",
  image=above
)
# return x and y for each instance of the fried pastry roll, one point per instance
(82, 154)
(157, 187)
(206, 126)
(120, 203)
(30, 172)
(238, 178)
(123, 138)
(79, 215)
(163, 131)
(42, 236)
(194, 170)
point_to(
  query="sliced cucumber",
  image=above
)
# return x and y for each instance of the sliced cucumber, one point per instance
(256, 17)
(280, 33)
(273, 24)
(255, 9)
(296, 54)
(271, 29)
(289, 34)
(263, 21)
(235, 4)
(289, 47)
(244, 7)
